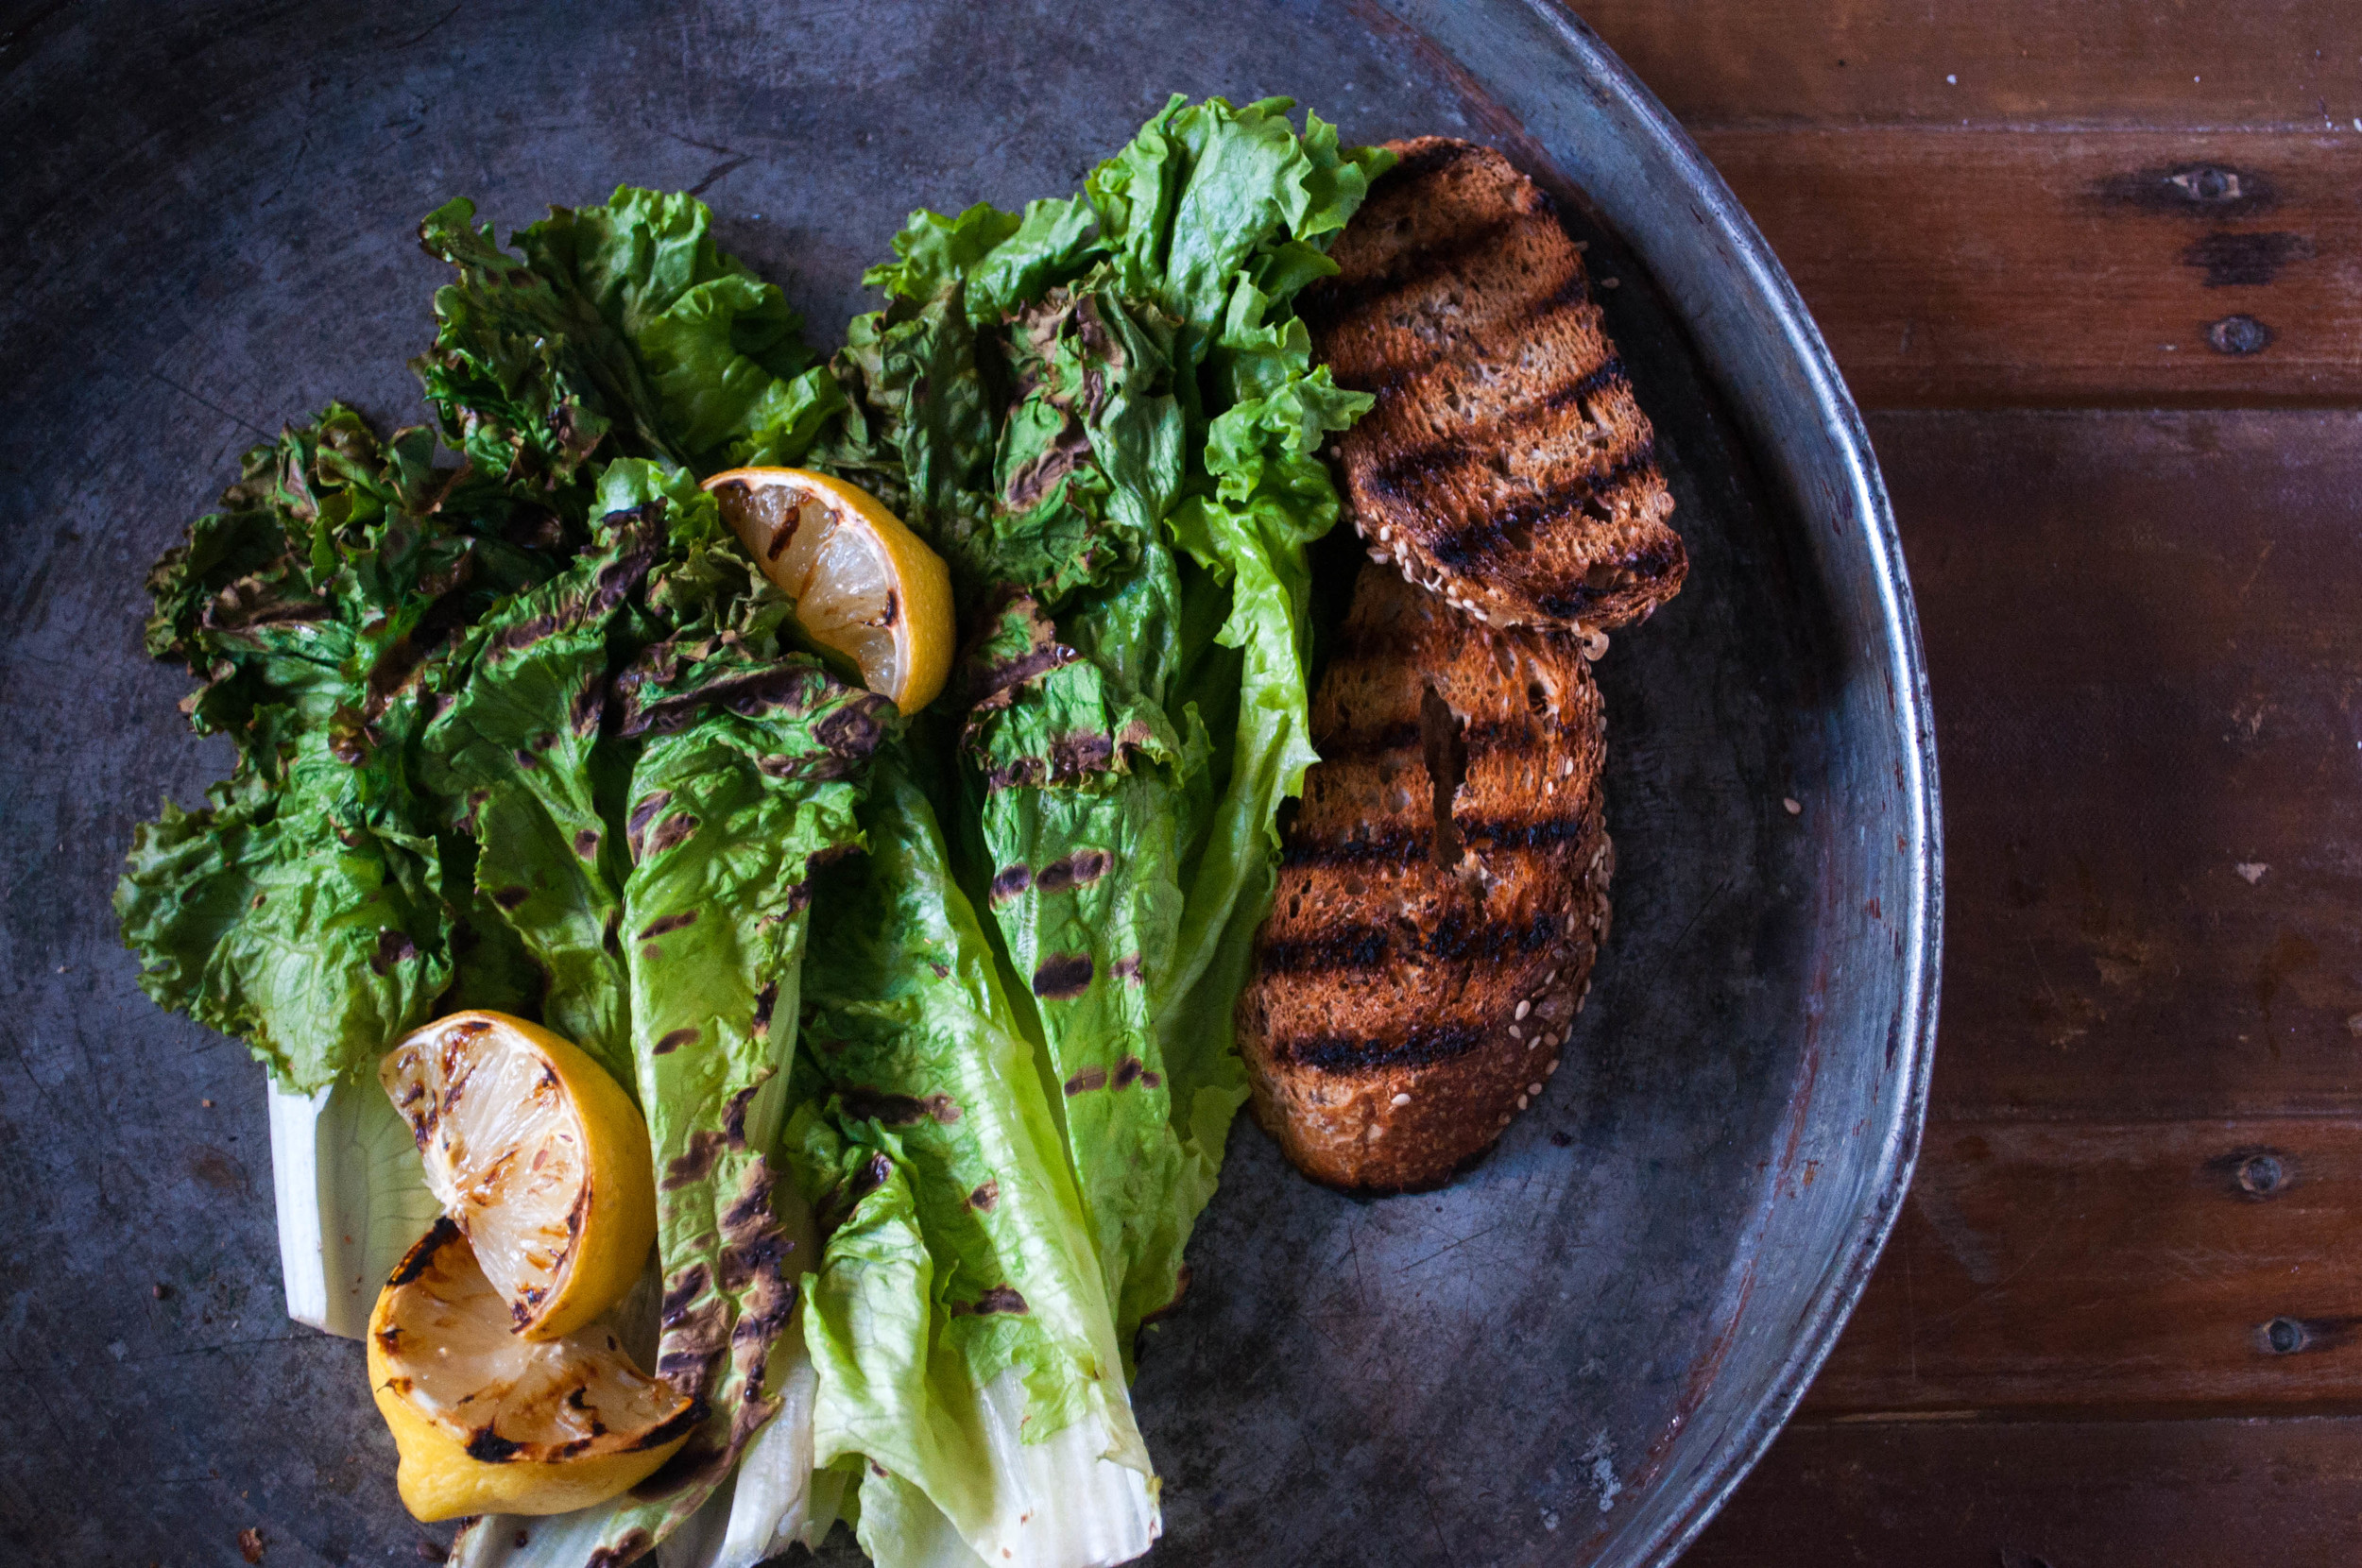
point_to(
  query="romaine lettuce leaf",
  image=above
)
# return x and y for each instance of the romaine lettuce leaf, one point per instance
(519, 754)
(1136, 564)
(964, 1304)
(624, 330)
(751, 765)
(306, 907)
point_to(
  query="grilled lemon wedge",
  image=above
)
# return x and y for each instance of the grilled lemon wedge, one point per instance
(538, 1155)
(489, 1422)
(863, 585)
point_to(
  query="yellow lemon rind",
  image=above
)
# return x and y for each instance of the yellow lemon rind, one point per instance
(925, 580)
(438, 1477)
(618, 1206)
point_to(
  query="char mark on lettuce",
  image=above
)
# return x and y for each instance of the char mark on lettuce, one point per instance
(621, 331)
(324, 606)
(1105, 415)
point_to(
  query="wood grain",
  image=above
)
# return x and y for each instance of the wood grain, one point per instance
(2133, 1266)
(2074, 1494)
(2143, 633)
(1952, 267)
(2148, 668)
(2192, 64)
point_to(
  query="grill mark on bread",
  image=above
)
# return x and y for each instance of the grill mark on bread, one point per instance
(1389, 373)
(1570, 600)
(1401, 1011)
(1506, 461)
(1415, 477)
(1459, 452)
(1397, 846)
(1402, 844)
(1342, 1056)
(1335, 299)
(1353, 947)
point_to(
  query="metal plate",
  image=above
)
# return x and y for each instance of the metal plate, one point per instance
(1569, 1357)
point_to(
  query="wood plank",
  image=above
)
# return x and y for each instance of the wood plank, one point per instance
(2077, 62)
(1951, 267)
(2161, 1494)
(2144, 639)
(2171, 1266)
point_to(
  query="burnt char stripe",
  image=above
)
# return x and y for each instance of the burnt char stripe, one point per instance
(1339, 948)
(415, 1263)
(1455, 939)
(1402, 846)
(1340, 1057)
(1335, 300)
(1607, 375)
(687, 1418)
(1412, 479)
(1386, 379)
(1426, 462)
(1652, 562)
(1469, 548)
(1399, 847)
(1570, 293)
(1495, 738)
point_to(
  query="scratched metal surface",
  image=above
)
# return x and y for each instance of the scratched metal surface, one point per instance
(1568, 1358)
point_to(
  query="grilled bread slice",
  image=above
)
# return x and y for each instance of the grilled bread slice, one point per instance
(1443, 892)
(1506, 465)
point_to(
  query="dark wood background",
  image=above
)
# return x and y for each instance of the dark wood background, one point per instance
(2093, 268)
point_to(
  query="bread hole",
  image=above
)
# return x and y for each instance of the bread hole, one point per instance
(1442, 744)
(1537, 697)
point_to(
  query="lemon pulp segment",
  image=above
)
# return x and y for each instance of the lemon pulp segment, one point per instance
(863, 585)
(538, 1155)
(486, 1420)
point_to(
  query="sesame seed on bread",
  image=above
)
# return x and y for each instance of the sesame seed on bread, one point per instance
(1442, 892)
(1506, 464)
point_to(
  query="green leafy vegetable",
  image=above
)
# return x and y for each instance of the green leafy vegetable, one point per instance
(1129, 521)
(531, 733)
(750, 770)
(308, 908)
(519, 753)
(963, 1301)
(622, 332)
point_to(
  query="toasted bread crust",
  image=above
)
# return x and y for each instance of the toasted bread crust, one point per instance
(1506, 465)
(1403, 1011)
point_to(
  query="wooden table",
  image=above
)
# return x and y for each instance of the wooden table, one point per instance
(2092, 268)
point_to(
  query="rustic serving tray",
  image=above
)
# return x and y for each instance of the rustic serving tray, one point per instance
(1570, 1357)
